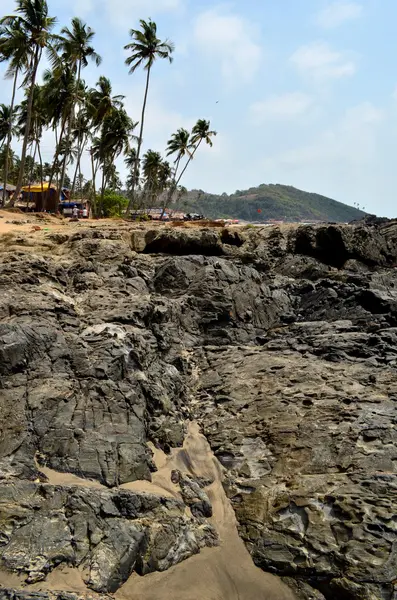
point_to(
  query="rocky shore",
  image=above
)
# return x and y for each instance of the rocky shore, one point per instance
(279, 343)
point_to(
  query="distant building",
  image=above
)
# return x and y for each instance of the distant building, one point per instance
(36, 194)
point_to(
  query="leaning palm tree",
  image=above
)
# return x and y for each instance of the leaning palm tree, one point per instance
(145, 48)
(181, 145)
(14, 49)
(201, 132)
(37, 25)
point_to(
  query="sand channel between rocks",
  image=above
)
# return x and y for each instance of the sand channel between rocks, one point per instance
(222, 573)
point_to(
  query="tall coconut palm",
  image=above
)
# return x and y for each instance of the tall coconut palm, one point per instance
(37, 24)
(145, 48)
(75, 48)
(14, 49)
(59, 91)
(100, 105)
(39, 120)
(80, 135)
(201, 132)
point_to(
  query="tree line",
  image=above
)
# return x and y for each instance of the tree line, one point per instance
(84, 119)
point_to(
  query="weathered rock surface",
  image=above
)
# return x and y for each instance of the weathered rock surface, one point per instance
(281, 343)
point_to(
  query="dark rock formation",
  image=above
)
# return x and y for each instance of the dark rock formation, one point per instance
(281, 343)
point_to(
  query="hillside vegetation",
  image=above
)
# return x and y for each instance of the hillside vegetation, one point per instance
(279, 202)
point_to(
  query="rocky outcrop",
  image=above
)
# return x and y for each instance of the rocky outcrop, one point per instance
(108, 535)
(281, 343)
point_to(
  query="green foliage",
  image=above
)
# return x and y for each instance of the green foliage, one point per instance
(113, 204)
(279, 202)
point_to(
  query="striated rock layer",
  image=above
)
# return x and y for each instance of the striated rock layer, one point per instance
(280, 343)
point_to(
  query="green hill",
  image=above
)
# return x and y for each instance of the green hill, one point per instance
(280, 202)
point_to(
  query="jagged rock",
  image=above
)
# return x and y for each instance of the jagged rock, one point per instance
(192, 494)
(281, 342)
(107, 534)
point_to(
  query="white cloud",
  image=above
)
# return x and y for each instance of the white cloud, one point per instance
(284, 106)
(346, 161)
(229, 39)
(337, 13)
(318, 61)
(350, 142)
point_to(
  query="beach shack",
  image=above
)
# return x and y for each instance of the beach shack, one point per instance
(36, 194)
(10, 189)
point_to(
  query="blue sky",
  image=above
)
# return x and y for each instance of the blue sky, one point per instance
(301, 92)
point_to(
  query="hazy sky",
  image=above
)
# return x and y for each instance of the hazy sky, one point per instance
(306, 89)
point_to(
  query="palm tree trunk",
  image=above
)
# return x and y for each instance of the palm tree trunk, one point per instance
(188, 163)
(93, 186)
(138, 152)
(81, 180)
(31, 171)
(64, 163)
(173, 188)
(82, 143)
(36, 61)
(55, 162)
(102, 193)
(41, 169)
(69, 135)
(9, 136)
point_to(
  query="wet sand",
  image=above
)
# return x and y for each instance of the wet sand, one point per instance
(223, 573)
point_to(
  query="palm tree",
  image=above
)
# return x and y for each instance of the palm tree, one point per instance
(80, 134)
(130, 163)
(100, 105)
(59, 91)
(100, 102)
(157, 174)
(201, 132)
(116, 134)
(37, 25)
(74, 46)
(179, 144)
(38, 121)
(145, 48)
(6, 123)
(150, 168)
(13, 48)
